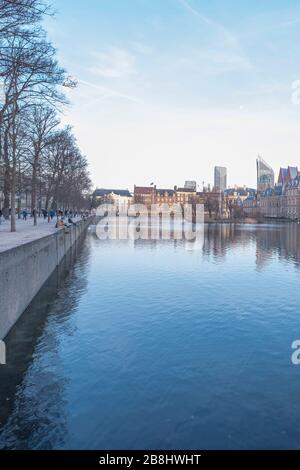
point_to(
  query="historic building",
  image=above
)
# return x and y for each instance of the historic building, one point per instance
(292, 199)
(166, 196)
(152, 195)
(271, 203)
(282, 201)
(145, 195)
(121, 198)
(238, 194)
(186, 195)
(250, 206)
(286, 175)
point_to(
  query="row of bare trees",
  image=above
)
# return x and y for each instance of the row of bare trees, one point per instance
(35, 150)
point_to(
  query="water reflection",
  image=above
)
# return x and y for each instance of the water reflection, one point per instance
(31, 396)
(145, 344)
(270, 239)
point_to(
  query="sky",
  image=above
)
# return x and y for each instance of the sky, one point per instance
(169, 88)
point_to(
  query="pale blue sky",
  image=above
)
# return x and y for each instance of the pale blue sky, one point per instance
(169, 88)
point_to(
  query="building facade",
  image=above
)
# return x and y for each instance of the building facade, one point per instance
(186, 196)
(121, 198)
(271, 203)
(292, 199)
(250, 208)
(282, 201)
(145, 195)
(166, 196)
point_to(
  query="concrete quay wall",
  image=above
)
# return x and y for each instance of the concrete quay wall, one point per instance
(24, 270)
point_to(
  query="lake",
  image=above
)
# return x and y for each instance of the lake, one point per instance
(150, 345)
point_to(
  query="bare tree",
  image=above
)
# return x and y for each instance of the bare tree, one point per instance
(66, 171)
(17, 15)
(42, 121)
(32, 148)
(33, 75)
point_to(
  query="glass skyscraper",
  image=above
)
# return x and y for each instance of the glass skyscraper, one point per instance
(220, 181)
(265, 175)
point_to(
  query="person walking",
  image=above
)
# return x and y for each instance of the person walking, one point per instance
(25, 215)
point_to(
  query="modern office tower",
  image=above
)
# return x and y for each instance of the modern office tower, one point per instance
(220, 181)
(265, 175)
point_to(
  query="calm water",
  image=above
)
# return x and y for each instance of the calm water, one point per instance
(150, 345)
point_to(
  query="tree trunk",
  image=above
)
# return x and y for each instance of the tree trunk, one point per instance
(6, 192)
(13, 171)
(34, 191)
(13, 201)
(6, 189)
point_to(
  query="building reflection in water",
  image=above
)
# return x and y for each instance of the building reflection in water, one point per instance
(34, 406)
(281, 241)
(269, 239)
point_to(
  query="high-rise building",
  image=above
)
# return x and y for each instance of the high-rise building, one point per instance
(220, 181)
(265, 175)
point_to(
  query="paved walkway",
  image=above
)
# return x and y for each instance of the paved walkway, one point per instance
(26, 232)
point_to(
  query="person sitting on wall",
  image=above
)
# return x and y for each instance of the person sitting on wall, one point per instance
(60, 223)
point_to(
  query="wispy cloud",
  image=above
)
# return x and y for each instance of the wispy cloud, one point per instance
(227, 55)
(115, 63)
(227, 34)
(106, 92)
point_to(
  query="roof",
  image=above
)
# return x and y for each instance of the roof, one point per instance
(107, 192)
(239, 191)
(268, 192)
(249, 199)
(293, 172)
(283, 172)
(162, 192)
(294, 183)
(185, 190)
(278, 190)
(287, 174)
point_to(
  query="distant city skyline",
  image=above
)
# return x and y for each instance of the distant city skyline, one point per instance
(168, 89)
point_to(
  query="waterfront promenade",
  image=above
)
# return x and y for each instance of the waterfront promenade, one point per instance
(27, 259)
(26, 232)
